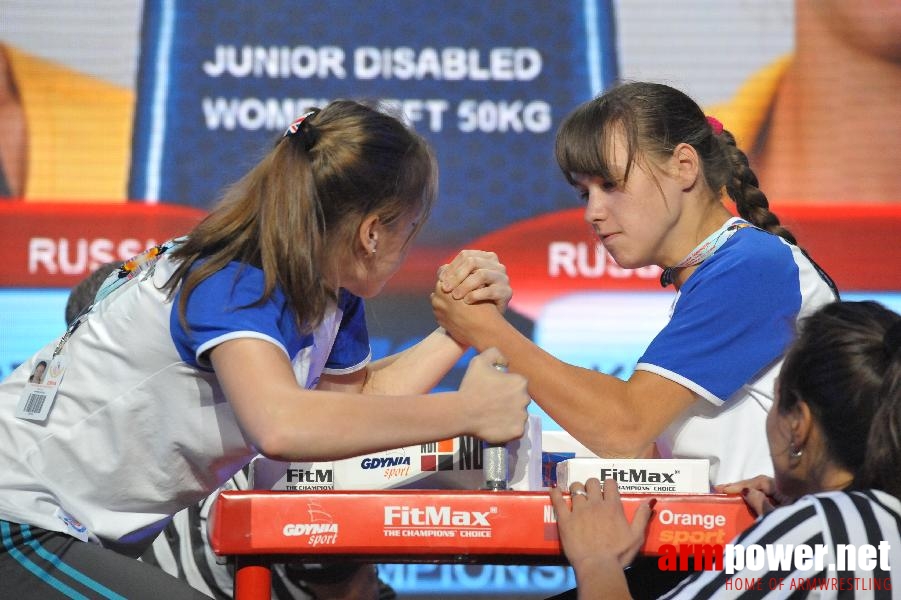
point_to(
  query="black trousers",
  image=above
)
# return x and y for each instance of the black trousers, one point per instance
(40, 564)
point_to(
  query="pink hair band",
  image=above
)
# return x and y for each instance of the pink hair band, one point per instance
(715, 125)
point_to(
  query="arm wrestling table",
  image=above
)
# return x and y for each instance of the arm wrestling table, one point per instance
(259, 528)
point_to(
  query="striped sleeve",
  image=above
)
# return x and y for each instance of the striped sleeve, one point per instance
(834, 521)
(181, 549)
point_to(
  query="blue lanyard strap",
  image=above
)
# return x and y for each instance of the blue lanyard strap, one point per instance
(131, 268)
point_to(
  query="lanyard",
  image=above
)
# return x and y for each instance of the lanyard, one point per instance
(131, 268)
(705, 249)
(39, 393)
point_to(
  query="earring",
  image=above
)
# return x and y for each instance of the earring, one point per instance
(795, 452)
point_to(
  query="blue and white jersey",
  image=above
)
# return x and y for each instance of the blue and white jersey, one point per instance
(731, 323)
(221, 309)
(140, 427)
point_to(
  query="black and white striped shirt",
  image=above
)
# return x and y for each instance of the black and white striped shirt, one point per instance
(182, 549)
(831, 520)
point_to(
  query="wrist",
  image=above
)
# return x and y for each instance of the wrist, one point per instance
(459, 346)
(595, 562)
(487, 329)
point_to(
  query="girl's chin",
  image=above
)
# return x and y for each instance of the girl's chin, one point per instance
(621, 259)
(625, 262)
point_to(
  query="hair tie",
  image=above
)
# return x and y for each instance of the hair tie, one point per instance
(891, 341)
(306, 130)
(715, 125)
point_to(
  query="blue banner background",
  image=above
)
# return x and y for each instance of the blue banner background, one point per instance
(501, 172)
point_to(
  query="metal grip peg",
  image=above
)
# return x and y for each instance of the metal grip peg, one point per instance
(495, 463)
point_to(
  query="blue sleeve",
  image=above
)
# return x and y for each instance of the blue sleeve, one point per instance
(222, 307)
(735, 316)
(351, 348)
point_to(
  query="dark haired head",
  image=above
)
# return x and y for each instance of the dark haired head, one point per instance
(653, 119)
(295, 214)
(82, 295)
(846, 366)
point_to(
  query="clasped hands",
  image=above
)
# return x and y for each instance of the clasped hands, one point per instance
(472, 287)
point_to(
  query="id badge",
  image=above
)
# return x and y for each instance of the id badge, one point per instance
(40, 391)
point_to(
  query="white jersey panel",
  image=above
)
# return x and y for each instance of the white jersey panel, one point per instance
(136, 432)
(732, 322)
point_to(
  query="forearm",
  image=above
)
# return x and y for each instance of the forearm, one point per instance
(286, 422)
(596, 409)
(323, 425)
(417, 369)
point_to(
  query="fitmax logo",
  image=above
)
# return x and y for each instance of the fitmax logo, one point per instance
(311, 476)
(637, 476)
(433, 516)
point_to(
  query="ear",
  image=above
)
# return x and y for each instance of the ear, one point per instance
(368, 234)
(801, 422)
(687, 165)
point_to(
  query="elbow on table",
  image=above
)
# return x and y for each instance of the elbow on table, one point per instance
(622, 442)
(281, 443)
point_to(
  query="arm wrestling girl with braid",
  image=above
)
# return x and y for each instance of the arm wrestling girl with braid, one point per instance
(653, 172)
